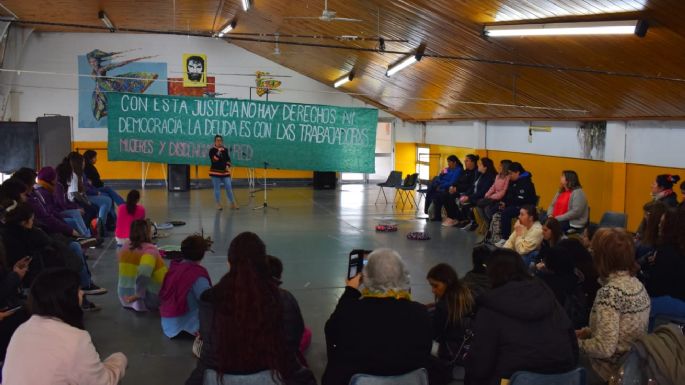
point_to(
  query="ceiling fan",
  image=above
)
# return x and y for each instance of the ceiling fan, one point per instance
(326, 15)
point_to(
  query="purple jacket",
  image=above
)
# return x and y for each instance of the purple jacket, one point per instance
(90, 189)
(45, 215)
(60, 199)
(177, 283)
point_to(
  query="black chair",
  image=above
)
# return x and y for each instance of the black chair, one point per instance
(394, 180)
(613, 219)
(405, 190)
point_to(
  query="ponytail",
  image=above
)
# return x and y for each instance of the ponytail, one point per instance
(132, 200)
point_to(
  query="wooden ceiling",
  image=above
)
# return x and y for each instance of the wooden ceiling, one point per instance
(589, 77)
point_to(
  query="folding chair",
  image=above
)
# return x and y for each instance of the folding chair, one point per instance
(613, 219)
(394, 180)
(405, 190)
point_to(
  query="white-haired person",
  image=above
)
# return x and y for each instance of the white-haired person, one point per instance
(376, 328)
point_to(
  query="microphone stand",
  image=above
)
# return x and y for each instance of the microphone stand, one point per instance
(265, 205)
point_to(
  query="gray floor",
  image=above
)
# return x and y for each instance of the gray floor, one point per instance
(312, 232)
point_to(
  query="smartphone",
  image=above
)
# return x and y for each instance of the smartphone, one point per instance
(356, 262)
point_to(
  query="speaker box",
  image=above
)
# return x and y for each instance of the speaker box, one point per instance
(178, 177)
(325, 180)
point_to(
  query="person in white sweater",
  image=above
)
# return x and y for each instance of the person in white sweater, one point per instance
(52, 347)
(527, 235)
(620, 313)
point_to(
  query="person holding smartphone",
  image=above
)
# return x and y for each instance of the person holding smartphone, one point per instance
(376, 328)
(220, 172)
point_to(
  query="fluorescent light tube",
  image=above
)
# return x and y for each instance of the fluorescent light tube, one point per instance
(246, 5)
(227, 28)
(409, 60)
(343, 80)
(624, 27)
(106, 21)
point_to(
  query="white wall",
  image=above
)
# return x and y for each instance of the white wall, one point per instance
(658, 143)
(37, 94)
(513, 136)
(457, 133)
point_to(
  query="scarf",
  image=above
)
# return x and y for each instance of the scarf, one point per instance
(48, 186)
(400, 294)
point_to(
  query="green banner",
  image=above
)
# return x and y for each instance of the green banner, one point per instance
(181, 130)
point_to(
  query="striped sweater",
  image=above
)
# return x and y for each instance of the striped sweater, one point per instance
(141, 273)
(619, 316)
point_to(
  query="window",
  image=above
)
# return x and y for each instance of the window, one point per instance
(423, 162)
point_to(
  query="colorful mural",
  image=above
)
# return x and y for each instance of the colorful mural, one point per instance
(107, 75)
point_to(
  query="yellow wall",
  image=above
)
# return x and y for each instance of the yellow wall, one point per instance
(608, 186)
(133, 170)
(405, 158)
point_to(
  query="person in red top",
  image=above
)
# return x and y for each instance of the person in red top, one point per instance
(569, 205)
(126, 214)
(220, 172)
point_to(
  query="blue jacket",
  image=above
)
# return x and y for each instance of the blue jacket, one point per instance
(448, 179)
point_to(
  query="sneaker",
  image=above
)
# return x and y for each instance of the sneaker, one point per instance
(501, 243)
(219, 207)
(89, 306)
(94, 289)
(87, 242)
(471, 227)
(235, 207)
(449, 222)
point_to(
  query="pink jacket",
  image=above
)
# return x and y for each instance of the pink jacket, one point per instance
(48, 351)
(498, 189)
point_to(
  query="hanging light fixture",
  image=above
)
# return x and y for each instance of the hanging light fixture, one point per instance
(106, 21)
(620, 27)
(228, 27)
(246, 5)
(344, 79)
(405, 62)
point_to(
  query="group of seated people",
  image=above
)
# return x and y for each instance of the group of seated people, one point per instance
(49, 219)
(478, 188)
(547, 301)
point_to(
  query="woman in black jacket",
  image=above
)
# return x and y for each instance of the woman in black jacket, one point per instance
(519, 326)
(247, 324)
(376, 328)
(12, 312)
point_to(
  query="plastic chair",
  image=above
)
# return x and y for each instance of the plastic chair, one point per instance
(260, 378)
(416, 377)
(421, 190)
(409, 185)
(394, 180)
(576, 376)
(613, 219)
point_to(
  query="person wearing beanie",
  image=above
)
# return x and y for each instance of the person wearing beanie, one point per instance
(45, 186)
(662, 189)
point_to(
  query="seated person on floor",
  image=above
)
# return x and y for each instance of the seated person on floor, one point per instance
(458, 187)
(442, 183)
(12, 305)
(569, 205)
(89, 170)
(459, 211)
(551, 233)
(452, 313)
(527, 235)
(664, 270)
(376, 328)
(521, 191)
(247, 324)
(620, 312)
(141, 269)
(126, 214)
(186, 280)
(477, 279)
(519, 326)
(53, 345)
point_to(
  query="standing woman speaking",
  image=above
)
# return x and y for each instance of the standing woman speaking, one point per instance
(220, 171)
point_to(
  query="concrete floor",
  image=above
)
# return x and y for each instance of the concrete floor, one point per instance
(312, 233)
